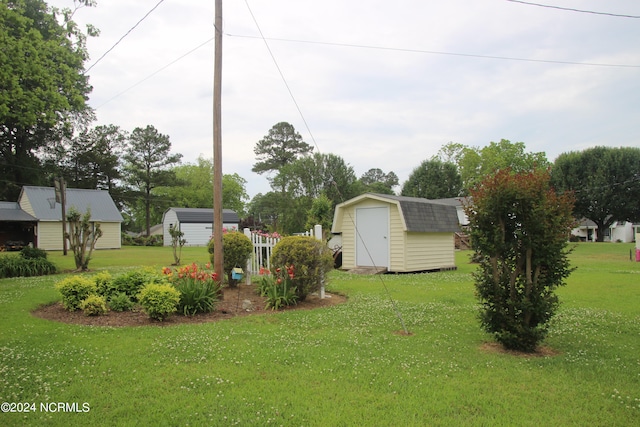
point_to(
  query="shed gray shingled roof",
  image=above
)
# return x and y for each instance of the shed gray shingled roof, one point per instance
(42, 200)
(10, 211)
(424, 215)
(204, 215)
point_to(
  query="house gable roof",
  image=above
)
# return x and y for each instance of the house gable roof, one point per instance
(203, 215)
(11, 212)
(45, 208)
(418, 214)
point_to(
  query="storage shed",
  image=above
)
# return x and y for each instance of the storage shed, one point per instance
(40, 203)
(196, 224)
(401, 234)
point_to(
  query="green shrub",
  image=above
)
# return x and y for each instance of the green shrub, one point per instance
(31, 253)
(14, 266)
(159, 300)
(74, 290)
(94, 305)
(121, 302)
(103, 283)
(132, 282)
(237, 249)
(311, 259)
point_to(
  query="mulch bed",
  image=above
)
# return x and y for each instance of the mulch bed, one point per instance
(230, 306)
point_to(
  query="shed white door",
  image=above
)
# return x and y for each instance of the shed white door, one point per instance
(372, 237)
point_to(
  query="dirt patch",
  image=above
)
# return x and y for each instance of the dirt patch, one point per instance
(542, 351)
(230, 306)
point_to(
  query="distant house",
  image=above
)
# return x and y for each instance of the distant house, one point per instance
(620, 231)
(401, 234)
(196, 224)
(40, 204)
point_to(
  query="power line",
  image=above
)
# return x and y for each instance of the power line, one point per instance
(575, 10)
(304, 120)
(434, 52)
(125, 35)
(155, 72)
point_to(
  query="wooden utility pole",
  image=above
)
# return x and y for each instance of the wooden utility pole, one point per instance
(218, 264)
(61, 197)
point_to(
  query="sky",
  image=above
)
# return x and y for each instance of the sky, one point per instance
(381, 84)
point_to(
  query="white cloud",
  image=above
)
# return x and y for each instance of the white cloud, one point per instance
(374, 107)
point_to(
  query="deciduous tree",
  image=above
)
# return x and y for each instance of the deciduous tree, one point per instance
(43, 86)
(475, 163)
(606, 183)
(433, 179)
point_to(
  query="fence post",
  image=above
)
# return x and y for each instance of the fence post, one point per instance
(317, 233)
(247, 270)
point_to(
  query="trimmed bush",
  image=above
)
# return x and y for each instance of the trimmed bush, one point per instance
(159, 301)
(74, 290)
(131, 283)
(237, 249)
(103, 283)
(94, 305)
(121, 302)
(311, 259)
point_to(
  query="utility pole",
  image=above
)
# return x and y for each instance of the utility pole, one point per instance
(218, 264)
(61, 197)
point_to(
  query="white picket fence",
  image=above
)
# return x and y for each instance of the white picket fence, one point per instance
(263, 247)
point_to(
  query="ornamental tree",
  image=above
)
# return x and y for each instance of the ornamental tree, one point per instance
(519, 226)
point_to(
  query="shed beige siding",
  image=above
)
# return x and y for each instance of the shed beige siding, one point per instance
(50, 236)
(397, 241)
(111, 236)
(429, 251)
(25, 205)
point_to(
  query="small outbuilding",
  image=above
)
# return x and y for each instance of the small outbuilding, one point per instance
(196, 224)
(401, 234)
(40, 203)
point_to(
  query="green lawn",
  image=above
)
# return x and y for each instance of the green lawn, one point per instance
(339, 366)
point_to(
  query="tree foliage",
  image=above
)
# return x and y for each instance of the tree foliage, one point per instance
(147, 165)
(606, 183)
(475, 163)
(306, 179)
(193, 188)
(433, 179)
(43, 86)
(376, 181)
(519, 226)
(279, 147)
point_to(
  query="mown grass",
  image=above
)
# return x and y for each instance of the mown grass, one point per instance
(339, 366)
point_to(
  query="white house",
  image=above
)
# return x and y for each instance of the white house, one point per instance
(196, 224)
(620, 231)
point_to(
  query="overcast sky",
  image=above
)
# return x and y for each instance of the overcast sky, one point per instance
(381, 84)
